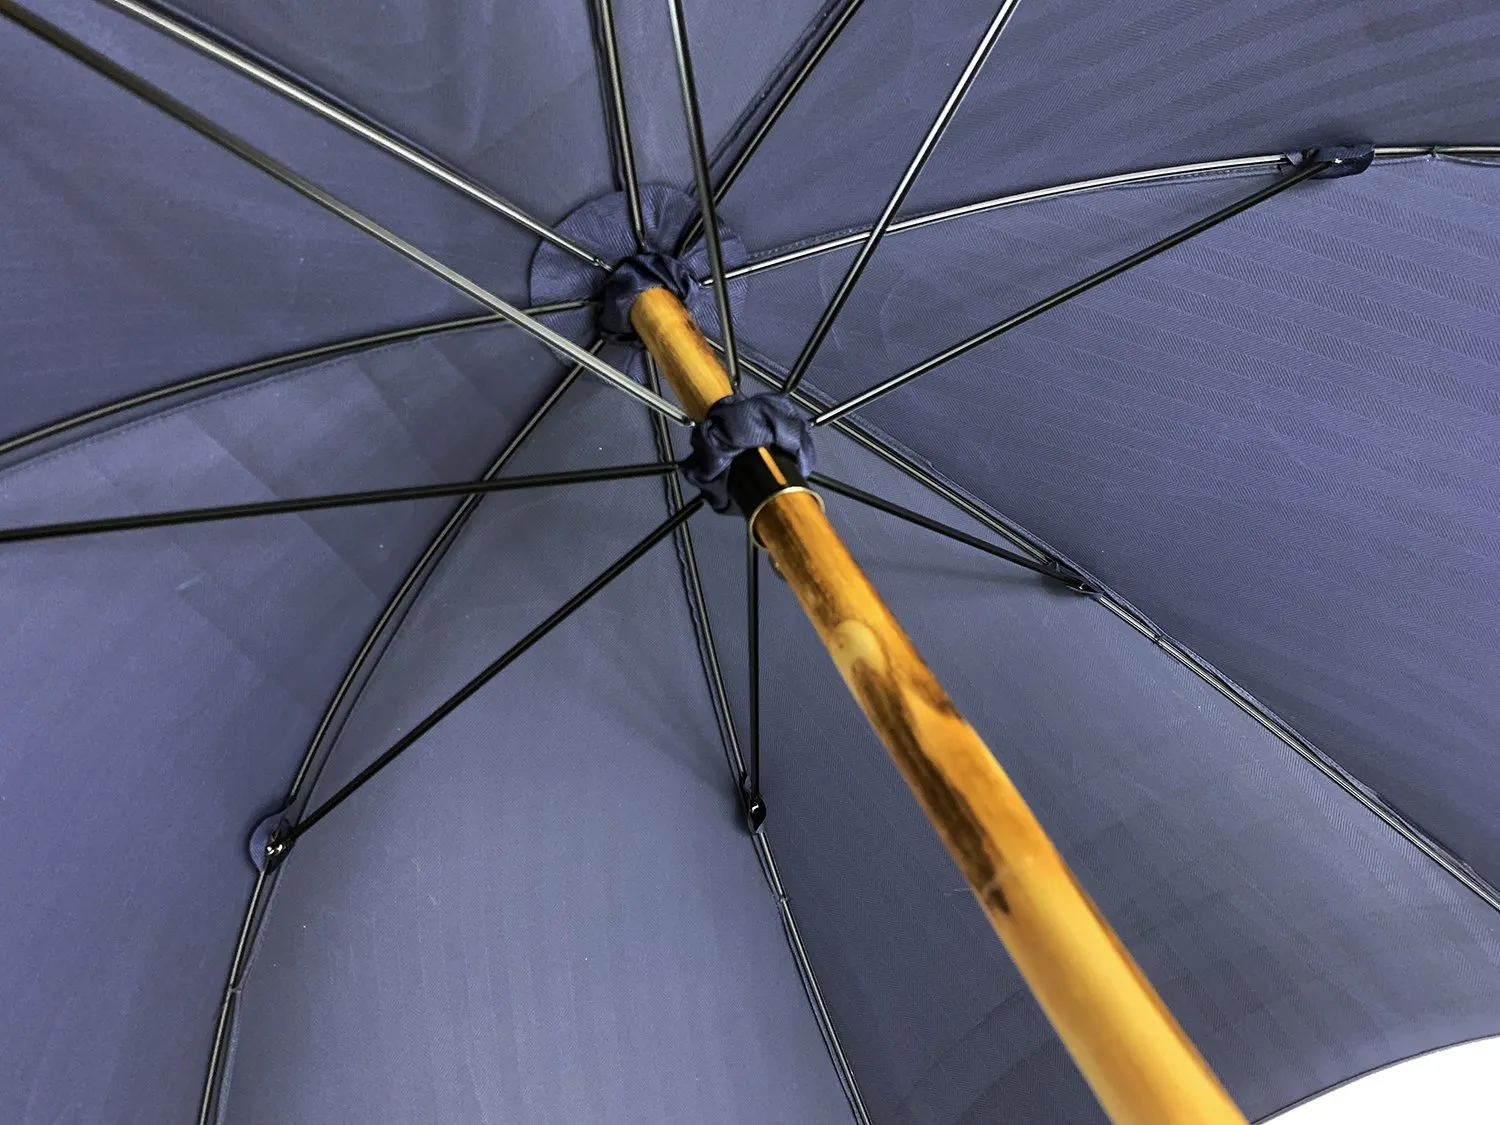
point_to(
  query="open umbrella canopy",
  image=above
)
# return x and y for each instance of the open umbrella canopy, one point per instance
(1190, 310)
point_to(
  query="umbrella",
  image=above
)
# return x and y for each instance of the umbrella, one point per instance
(392, 732)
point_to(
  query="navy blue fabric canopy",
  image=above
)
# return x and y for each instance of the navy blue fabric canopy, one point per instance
(1266, 741)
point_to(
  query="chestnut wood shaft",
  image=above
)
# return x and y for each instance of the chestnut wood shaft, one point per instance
(1141, 1065)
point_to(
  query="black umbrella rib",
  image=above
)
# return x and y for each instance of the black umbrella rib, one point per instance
(693, 581)
(1000, 202)
(1267, 162)
(784, 99)
(286, 359)
(918, 161)
(698, 603)
(1306, 170)
(453, 702)
(704, 187)
(755, 807)
(225, 55)
(907, 467)
(421, 570)
(298, 504)
(392, 612)
(268, 164)
(1054, 568)
(610, 60)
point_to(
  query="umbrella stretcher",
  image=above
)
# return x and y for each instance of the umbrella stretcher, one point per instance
(1131, 1050)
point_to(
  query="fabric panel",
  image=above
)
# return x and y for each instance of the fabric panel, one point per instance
(1299, 939)
(926, 289)
(1279, 441)
(1076, 90)
(506, 93)
(161, 686)
(138, 254)
(737, 51)
(546, 911)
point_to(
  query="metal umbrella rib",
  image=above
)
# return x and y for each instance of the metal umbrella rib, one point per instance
(299, 504)
(304, 187)
(1054, 569)
(711, 240)
(224, 54)
(566, 610)
(907, 467)
(773, 115)
(418, 573)
(619, 116)
(1267, 162)
(1305, 171)
(302, 355)
(364, 661)
(1000, 202)
(914, 168)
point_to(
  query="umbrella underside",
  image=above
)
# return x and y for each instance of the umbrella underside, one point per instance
(1265, 749)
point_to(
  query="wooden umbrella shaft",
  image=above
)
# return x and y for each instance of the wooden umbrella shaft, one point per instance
(1141, 1065)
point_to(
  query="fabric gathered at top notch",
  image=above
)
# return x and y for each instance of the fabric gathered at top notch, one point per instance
(632, 277)
(604, 225)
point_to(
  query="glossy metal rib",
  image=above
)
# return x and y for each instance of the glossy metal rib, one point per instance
(905, 465)
(395, 606)
(699, 153)
(1437, 150)
(458, 698)
(809, 979)
(219, 1050)
(418, 574)
(1208, 674)
(621, 117)
(752, 633)
(914, 168)
(1053, 569)
(1296, 176)
(321, 351)
(228, 56)
(772, 116)
(1367, 799)
(915, 222)
(298, 504)
(304, 187)
(697, 602)
(1268, 162)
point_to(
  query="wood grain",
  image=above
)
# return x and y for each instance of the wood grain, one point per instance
(1141, 1065)
(686, 359)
